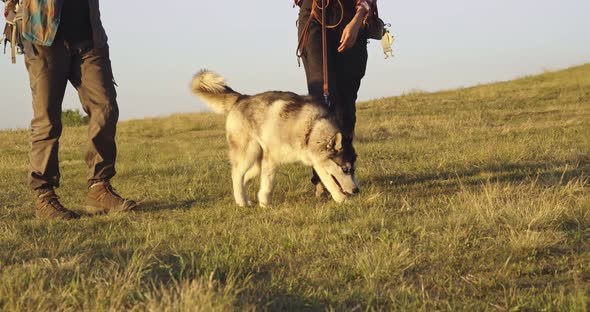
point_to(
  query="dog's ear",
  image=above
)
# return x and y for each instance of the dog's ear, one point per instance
(335, 143)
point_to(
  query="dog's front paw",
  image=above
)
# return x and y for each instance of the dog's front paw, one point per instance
(340, 198)
(266, 205)
(244, 203)
(264, 199)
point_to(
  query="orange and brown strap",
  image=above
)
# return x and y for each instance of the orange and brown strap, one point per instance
(321, 19)
(318, 18)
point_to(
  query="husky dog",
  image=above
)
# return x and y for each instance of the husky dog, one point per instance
(273, 128)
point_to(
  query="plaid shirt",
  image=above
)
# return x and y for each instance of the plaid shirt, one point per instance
(366, 5)
(41, 20)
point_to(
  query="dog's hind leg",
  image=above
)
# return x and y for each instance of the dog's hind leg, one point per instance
(238, 155)
(252, 173)
(267, 176)
(245, 155)
(238, 172)
(254, 170)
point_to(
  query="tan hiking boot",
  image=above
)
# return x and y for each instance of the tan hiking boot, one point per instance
(49, 207)
(103, 199)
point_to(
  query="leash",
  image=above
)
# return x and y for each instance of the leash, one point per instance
(325, 55)
(323, 6)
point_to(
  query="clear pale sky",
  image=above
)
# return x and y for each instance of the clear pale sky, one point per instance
(156, 46)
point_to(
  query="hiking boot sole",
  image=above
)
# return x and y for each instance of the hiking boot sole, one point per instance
(70, 216)
(93, 210)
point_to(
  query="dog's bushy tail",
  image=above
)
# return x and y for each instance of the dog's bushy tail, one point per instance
(211, 89)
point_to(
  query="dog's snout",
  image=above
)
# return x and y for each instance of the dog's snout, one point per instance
(356, 190)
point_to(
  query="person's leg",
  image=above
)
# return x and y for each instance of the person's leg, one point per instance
(48, 75)
(350, 69)
(92, 75)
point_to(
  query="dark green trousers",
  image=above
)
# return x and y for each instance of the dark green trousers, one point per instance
(345, 70)
(89, 71)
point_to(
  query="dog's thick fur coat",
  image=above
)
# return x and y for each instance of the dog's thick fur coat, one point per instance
(273, 128)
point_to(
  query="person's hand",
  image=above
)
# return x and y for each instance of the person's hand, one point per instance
(351, 31)
(350, 35)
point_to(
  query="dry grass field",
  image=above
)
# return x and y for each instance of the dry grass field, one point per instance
(472, 200)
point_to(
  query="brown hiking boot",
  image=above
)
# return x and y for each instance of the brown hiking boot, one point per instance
(103, 199)
(49, 207)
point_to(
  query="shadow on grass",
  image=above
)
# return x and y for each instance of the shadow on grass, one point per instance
(154, 206)
(446, 182)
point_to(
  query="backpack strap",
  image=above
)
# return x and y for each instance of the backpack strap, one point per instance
(12, 32)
